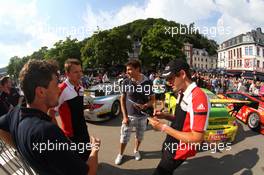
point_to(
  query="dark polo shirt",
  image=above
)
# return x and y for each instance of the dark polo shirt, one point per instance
(31, 128)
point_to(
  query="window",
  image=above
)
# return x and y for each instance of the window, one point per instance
(198, 59)
(263, 64)
(201, 59)
(234, 52)
(238, 96)
(258, 54)
(250, 50)
(263, 52)
(234, 63)
(240, 52)
(206, 59)
(258, 62)
(246, 50)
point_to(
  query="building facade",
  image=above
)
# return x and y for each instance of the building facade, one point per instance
(243, 53)
(199, 58)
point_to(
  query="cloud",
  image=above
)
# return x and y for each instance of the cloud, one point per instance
(240, 15)
(176, 10)
(107, 20)
(236, 16)
(23, 30)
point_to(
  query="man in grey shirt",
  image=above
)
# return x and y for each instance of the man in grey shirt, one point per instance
(136, 96)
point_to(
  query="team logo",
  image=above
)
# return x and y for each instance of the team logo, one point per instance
(201, 107)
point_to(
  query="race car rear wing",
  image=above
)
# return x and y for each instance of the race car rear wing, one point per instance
(237, 104)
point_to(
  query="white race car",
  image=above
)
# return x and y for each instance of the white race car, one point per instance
(102, 102)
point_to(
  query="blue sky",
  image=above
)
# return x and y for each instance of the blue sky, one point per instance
(27, 25)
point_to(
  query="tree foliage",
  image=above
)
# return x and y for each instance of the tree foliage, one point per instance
(111, 47)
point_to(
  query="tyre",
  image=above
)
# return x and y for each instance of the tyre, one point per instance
(254, 121)
(116, 108)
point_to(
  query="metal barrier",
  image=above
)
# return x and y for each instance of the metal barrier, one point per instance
(11, 163)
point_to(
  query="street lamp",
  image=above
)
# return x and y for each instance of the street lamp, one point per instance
(129, 37)
(160, 62)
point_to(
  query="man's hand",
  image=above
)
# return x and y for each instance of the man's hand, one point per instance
(160, 115)
(125, 120)
(95, 142)
(93, 159)
(141, 106)
(156, 123)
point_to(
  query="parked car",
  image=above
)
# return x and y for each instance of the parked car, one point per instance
(222, 125)
(252, 113)
(102, 102)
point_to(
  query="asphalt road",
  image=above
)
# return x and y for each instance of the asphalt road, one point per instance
(245, 156)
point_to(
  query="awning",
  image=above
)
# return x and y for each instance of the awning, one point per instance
(248, 75)
(260, 77)
(233, 73)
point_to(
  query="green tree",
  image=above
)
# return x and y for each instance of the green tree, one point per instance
(62, 50)
(40, 54)
(15, 65)
(106, 48)
(158, 47)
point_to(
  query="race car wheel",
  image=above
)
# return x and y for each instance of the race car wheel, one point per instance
(116, 108)
(253, 121)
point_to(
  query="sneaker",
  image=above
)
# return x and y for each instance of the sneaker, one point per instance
(137, 155)
(118, 159)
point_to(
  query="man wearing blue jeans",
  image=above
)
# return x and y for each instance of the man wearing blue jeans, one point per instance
(136, 95)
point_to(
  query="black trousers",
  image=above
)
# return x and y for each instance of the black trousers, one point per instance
(167, 165)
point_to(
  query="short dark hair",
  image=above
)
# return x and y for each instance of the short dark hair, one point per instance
(4, 80)
(36, 73)
(135, 63)
(69, 62)
(187, 72)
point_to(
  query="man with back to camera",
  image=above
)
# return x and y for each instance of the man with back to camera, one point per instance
(132, 102)
(159, 90)
(31, 127)
(71, 107)
(189, 122)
